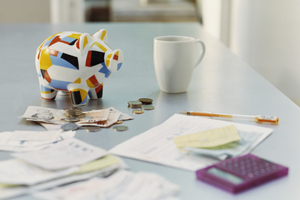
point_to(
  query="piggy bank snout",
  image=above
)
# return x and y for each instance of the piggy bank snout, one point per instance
(114, 60)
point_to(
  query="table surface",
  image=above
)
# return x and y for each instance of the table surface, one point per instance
(221, 83)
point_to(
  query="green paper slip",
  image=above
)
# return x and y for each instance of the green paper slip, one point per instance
(210, 138)
(98, 164)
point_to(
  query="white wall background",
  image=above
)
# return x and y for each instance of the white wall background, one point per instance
(264, 33)
(24, 11)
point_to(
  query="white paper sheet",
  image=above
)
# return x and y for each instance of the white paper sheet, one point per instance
(14, 171)
(4, 137)
(90, 189)
(50, 127)
(66, 153)
(157, 145)
(35, 135)
(24, 146)
(123, 185)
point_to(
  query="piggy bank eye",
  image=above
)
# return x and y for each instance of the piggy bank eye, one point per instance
(94, 58)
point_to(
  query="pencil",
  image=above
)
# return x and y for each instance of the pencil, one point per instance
(257, 119)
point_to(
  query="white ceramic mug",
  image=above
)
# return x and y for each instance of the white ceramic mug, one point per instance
(174, 62)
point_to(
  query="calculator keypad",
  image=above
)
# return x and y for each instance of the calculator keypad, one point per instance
(248, 166)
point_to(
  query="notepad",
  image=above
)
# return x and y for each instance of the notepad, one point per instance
(209, 138)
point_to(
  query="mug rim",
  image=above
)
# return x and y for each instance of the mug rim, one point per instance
(182, 39)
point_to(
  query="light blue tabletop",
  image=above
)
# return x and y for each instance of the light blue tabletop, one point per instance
(222, 83)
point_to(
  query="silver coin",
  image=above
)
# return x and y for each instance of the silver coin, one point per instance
(69, 127)
(120, 128)
(146, 107)
(92, 128)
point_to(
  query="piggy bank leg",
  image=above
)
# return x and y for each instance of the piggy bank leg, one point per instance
(79, 95)
(97, 92)
(48, 93)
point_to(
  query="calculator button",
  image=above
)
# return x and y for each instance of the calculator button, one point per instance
(250, 175)
(267, 164)
(274, 167)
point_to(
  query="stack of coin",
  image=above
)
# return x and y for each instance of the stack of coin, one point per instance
(73, 115)
(145, 101)
(134, 104)
(76, 112)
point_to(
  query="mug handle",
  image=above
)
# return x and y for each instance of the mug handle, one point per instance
(202, 52)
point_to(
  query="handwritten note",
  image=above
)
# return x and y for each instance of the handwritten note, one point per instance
(210, 138)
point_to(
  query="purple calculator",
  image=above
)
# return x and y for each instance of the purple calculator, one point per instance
(241, 173)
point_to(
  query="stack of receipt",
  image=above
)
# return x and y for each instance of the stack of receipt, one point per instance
(61, 163)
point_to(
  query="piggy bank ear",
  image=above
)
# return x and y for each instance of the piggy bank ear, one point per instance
(101, 34)
(114, 60)
(83, 41)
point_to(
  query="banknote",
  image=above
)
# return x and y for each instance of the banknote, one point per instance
(101, 118)
(43, 114)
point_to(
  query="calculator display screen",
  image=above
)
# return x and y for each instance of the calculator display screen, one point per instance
(225, 175)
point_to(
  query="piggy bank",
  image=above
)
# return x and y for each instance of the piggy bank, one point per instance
(77, 63)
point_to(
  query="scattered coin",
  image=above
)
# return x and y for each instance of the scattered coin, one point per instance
(137, 111)
(146, 100)
(69, 127)
(147, 107)
(119, 122)
(92, 128)
(120, 128)
(134, 104)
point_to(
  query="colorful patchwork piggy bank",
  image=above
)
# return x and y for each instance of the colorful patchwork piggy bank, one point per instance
(76, 63)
